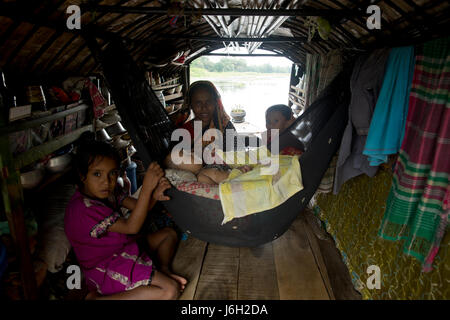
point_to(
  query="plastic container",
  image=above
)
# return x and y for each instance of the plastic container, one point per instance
(131, 174)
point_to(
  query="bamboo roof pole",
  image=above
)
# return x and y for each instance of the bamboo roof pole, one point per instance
(261, 30)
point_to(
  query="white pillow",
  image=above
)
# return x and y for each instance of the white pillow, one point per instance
(53, 245)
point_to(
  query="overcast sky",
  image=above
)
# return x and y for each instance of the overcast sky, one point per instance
(278, 61)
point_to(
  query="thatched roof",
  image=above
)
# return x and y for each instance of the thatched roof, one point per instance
(35, 42)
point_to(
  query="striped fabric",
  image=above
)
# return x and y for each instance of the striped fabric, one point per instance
(415, 207)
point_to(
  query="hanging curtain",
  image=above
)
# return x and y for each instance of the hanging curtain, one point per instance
(415, 209)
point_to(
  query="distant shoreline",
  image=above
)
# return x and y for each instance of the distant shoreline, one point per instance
(203, 74)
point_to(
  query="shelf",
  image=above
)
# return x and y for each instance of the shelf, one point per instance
(170, 86)
(167, 82)
(173, 96)
(175, 111)
(110, 108)
(297, 89)
(31, 123)
(296, 103)
(44, 149)
(297, 96)
(52, 178)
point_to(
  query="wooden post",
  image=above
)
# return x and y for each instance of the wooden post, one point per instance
(13, 202)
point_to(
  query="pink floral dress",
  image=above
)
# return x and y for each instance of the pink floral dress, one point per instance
(110, 261)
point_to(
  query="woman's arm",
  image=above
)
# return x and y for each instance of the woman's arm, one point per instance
(137, 217)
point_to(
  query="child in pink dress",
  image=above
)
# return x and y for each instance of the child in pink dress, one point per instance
(102, 239)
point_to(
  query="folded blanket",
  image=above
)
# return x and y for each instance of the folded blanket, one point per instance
(273, 180)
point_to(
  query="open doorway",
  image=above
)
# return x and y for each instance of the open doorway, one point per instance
(249, 83)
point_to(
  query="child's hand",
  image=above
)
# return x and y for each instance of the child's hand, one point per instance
(163, 185)
(245, 168)
(152, 176)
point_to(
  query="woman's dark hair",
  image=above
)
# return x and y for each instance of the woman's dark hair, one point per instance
(201, 85)
(87, 150)
(282, 108)
(209, 87)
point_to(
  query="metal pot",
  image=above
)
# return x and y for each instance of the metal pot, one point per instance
(102, 135)
(111, 118)
(58, 164)
(238, 116)
(31, 179)
(118, 143)
(115, 129)
(170, 91)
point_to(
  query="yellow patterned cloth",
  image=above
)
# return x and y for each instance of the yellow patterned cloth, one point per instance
(353, 218)
(266, 186)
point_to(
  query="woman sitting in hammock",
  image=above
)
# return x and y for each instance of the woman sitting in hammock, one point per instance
(204, 100)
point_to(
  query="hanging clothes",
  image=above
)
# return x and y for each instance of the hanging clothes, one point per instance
(365, 84)
(98, 101)
(388, 122)
(415, 209)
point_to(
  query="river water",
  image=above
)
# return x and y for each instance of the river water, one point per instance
(254, 94)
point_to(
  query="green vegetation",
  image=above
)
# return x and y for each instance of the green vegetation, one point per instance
(203, 66)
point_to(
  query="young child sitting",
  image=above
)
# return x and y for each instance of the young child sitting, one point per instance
(103, 241)
(281, 117)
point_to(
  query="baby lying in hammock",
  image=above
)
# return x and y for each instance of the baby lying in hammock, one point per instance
(277, 117)
(210, 173)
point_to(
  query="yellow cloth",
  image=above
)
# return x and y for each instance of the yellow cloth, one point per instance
(272, 181)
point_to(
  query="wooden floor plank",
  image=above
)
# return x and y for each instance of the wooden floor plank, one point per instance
(313, 242)
(188, 263)
(219, 276)
(257, 274)
(297, 273)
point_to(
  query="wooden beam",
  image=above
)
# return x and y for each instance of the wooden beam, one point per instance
(306, 12)
(243, 55)
(13, 207)
(234, 39)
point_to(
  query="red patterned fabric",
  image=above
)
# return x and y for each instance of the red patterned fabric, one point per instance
(200, 189)
(98, 102)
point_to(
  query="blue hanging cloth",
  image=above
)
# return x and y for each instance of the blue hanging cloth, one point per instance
(389, 118)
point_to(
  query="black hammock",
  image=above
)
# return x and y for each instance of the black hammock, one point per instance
(319, 129)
